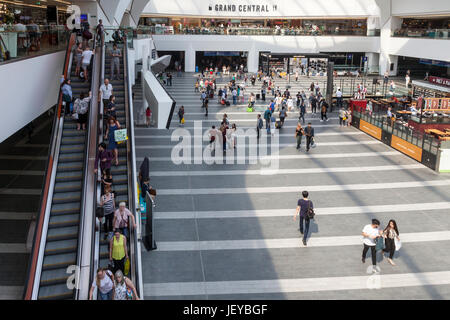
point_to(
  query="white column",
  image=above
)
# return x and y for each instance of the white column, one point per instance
(253, 60)
(189, 58)
(386, 60)
(373, 60)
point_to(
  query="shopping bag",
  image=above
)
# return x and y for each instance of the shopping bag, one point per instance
(379, 244)
(126, 270)
(182, 121)
(398, 244)
(120, 135)
(75, 116)
(313, 143)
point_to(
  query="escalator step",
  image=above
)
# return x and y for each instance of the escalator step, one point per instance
(66, 198)
(64, 233)
(67, 186)
(54, 277)
(59, 261)
(70, 166)
(61, 247)
(65, 208)
(66, 220)
(57, 292)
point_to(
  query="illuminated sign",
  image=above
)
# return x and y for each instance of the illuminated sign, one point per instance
(242, 8)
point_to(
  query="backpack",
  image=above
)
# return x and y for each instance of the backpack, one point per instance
(310, 211)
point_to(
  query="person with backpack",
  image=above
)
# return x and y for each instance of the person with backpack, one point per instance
(259, 125)
(305, 209)
(81, 107)
(104, 281)
(108, 203)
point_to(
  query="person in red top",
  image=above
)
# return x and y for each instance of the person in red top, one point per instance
(148, 114)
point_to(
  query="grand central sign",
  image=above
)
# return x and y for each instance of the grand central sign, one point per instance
(243, 8)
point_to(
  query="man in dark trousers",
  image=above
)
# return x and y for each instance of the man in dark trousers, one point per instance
(259, 126)
(267, 115)
(302, 111)
(309, 132)
(302, 208)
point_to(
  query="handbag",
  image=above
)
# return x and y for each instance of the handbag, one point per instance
(182, 120)
(126, 268)
(379, 244)
(75, 116)
(313, 144)
(398, 244)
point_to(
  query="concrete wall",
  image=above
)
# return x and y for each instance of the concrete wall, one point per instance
(254, 44)
(158, 100)
(420, 7)
(28, 88)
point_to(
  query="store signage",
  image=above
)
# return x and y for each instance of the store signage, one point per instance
(243, 8)
(370, 129)
(407, 148)
(445, 103)
(437, 103)
(440, 81)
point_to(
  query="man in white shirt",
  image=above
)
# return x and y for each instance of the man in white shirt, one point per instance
(106, 91)
(339, 98)
(370, 233)
(86, 61)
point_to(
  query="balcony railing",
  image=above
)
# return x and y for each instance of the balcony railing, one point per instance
(25, 42)
(422, 33)
(144, 31)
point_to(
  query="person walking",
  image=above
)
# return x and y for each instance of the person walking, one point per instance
(113, 125)
(104, 156)
(283, 115)
(86, 61)
(121, 217)
(263, 93)
(106, 91)
(389, 234)
(108, 203)
(148, 115)
(339, 98)
(272, 124)
(78, 58)
(309, 133)
(66, 90)
(116, 54)
(118, 252)
(303, 206)
(370, 233)
(302, 111)
(323, 110)
(313, 102)
(124, 288)
(299, 133)
(81, 107)
(206, 103)
(259, 125)
(234, 93)
(203, 97)
(342, 117)
(181, 115)
(104, 281)
(267, 115)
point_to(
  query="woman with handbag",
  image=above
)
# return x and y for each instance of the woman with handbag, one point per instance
(124, 288)
(118, 252)
(113, 125)
(109, 206)
(390, 234)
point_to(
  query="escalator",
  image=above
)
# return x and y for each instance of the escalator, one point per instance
(124, 174)
(57, 238)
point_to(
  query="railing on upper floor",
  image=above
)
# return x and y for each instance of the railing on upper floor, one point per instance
(25, 42)
(421, 33)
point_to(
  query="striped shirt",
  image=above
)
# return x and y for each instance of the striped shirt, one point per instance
(108, 203)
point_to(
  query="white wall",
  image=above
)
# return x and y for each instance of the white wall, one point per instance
(420, 48)
(420, 7)
(255, 44)
(158, 100)
(27, 89)
(285, 8)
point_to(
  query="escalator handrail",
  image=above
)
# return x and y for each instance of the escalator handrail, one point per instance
(30, 282)
(95, 246)
(135, 235)
(84, 210)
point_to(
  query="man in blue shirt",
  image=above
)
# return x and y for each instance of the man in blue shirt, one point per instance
(302, 208)
(272, 106)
